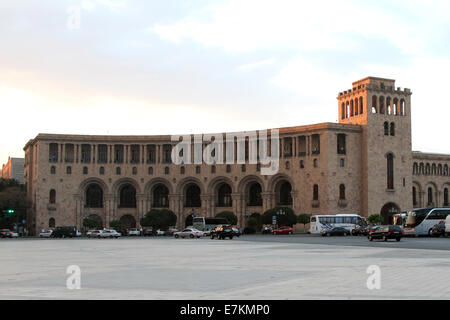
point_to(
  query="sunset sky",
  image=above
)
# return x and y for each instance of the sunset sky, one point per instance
(162, 67)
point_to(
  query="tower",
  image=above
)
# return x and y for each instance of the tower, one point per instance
(384, 113)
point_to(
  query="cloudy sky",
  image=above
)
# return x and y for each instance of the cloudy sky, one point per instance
(176, 66)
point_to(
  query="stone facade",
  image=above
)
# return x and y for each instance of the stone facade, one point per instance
(363, 165)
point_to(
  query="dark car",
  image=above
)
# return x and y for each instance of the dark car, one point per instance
(438, 230)
(6, 233)
(386, 232)
(64, 232)
(336, 231)
(360, 230)
(222, 232)
(148, 232)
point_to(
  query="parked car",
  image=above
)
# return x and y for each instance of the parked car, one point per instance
(133, 232)
(6, 233)
(236, 232)
(447, 225)
(171, 231)
(372, 228)
(94, 233)
(222, 232)
(148, 232)
(438, 230)
(283, 230)
(336, 231)
(188, 233)
(45, 233)
(110, 233)
(267, 230)
(64, 232)
(160, 232)
(386, 232)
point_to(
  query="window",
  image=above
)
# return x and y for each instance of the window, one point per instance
(315, 144)
(135, 153)
(166, 170)
(213, 169)
(287, 143)
(182, 170)
(197, 169)
(315, 192)
(52, 196)
(151, 153)
(167, 153)
(70, 152)
(128, 196)
(85, 153)
(243, 168)
(342, 163)
(224, 196)
(254, 195)
(53, 152)
(445, 197)
(102, 150)
(193, 196)
(228, 168)
(160, 196)
(52, 170)
(150, 170)
(315, 163)
(341, 143)
(288, 165)
(302, 165)
(85, 170)
(101, 170)
(118, 153)
(392, 129)
(51, 223)
(414, 194)
(386, 128)
(342, 192)
(94, 196)
(134, 170)
(118, 170)
(69, 170)
(302, 146)
(430, 196)
(390, 171)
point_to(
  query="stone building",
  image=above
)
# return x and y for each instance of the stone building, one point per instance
(13, 169)
(363, 164)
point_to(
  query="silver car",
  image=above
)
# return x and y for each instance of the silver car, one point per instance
(188, 233)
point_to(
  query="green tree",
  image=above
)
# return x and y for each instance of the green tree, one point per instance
(230, 216)
(252, 224)
(375, 218)
(159, 219)
(285, 216)
(13, 203)
(303, 219)
(90, 223)
(116, 225)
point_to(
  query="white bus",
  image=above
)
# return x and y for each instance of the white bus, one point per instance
(347, 221)
(419, 222)
(207, 224)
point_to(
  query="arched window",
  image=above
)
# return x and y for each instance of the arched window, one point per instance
(284, 194)
(118, 170)
(101, 170)
(166, 170)
(128, 196)
(193, 196)
(445, 197)
(402, 107)
(430, 197)
(315, 192)
(415, 169)
(150, 170)
(343, 110)
(414, 195)
(94, 196)
(386, 128)
(254, 195)
(197, 169)
(439, 170)
(352, 112)
(224, 196)
(445, 170)
(433, 169)
(390, 171)
(134, 171)
(361, 109)
(396, 107)
(374, 104)
(356, 107)
(52, 196)
(69, 170)
(347, 110)
(85, 170)
(421, 169)
(342, 192)
(52, 170)
(381, 101)
(51, 223)
(160, 196)
(389, 106)
(392, 129)
(427, 169)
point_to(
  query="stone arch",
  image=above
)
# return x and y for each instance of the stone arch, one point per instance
(181, 186)
(123, 181)
(431, 198)
(418, 189)
(152, 184)
(85, 183)
(222, 194)
(251, 189)
(388, 211)
(282, 186)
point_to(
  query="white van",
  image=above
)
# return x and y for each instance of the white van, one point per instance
(447, 225)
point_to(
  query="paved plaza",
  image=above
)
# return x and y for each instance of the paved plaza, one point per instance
(252, 267)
